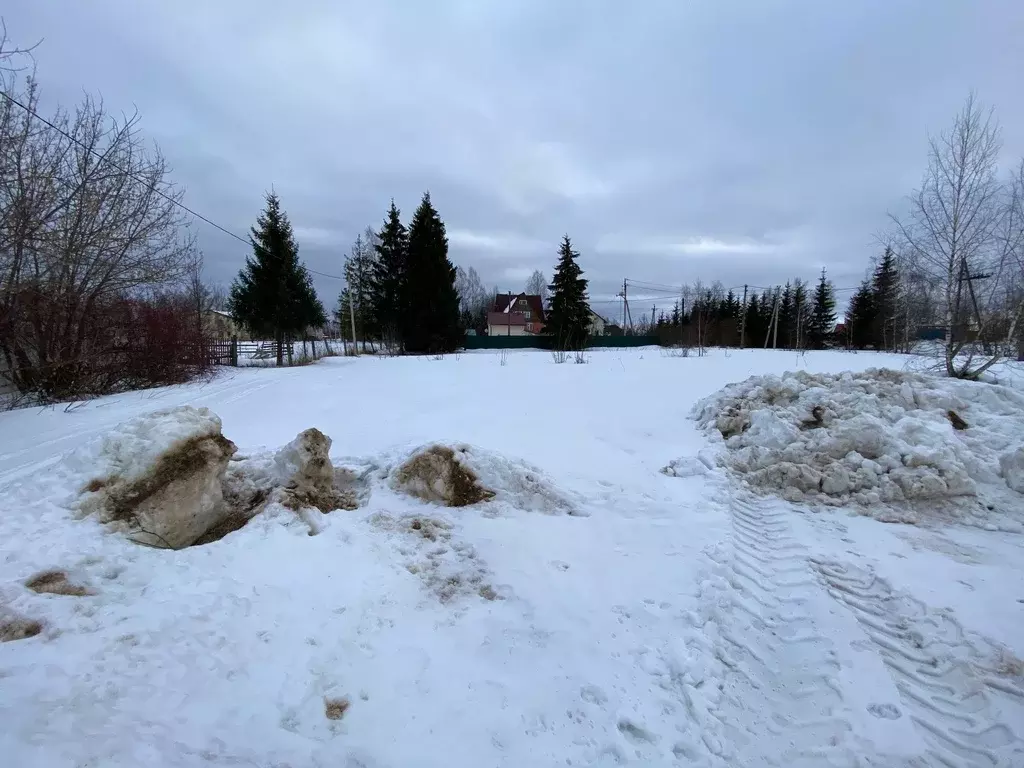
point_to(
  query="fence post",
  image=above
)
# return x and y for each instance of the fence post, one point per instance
(234, 351)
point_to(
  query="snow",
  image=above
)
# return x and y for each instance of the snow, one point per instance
(129, 450)
(682, 621)
(880, 439)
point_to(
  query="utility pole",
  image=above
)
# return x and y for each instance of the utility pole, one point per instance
(743, 320)
(508, 311)
(627, 318)
(773, 324)
(653, 308)
(775, 332)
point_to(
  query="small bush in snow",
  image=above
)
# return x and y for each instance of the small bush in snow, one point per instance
(677, 350)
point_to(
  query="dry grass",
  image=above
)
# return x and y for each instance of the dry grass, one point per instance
(487, 592)
(56, 583)
(336, 708)
(438, 466)
(14, 627)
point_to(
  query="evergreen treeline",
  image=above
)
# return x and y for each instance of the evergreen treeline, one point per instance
(793, 316)
(400, 286)
(878, 317)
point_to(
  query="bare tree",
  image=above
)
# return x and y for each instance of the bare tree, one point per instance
(88, 218)
(701, 302)
(474, 300)
(955, 237)
(12, 58)
(537, 285)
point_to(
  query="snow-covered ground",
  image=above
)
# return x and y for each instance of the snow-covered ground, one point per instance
(672, 618)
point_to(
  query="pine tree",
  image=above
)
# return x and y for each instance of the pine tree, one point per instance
(753, 330)
(823, 317)
(273, 296)
(568, 319)
(431, 319)
(860, 318)
(885, 286)
(786, 318)
(388, 279)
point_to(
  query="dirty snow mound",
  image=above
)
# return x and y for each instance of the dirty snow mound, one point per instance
(461, 475)
(158, 477)
(298, 476)
(897, 443)
(129, 450)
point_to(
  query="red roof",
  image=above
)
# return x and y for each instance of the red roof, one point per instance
(535, 303)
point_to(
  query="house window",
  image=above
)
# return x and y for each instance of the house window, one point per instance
(522, 302)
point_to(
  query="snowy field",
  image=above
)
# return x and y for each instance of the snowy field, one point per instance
(666, 604)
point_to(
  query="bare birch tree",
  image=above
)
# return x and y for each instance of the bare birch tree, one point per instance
(537, 285)
(955, 238)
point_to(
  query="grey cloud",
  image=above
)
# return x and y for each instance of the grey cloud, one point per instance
(742, 142)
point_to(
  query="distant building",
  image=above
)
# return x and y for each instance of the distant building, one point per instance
(516, 315)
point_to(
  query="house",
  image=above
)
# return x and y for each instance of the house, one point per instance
(597, 323)
(516, 315)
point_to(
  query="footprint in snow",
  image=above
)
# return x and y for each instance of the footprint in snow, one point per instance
(885, 711)
(594, 694)
(636, 733)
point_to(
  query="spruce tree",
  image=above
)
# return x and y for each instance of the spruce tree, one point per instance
(431, 319)
(388, 279)
(753, 330)
(823, 316)
(885, 297)
(568, 319)
(801, 315)
(786, 318)
(860, 319)
(273, 296)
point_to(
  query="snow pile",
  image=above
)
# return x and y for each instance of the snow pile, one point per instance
(874, 438)
(159, 476)
(460, 475)
(129, 450)
(298, 476)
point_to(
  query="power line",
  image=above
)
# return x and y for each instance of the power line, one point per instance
(136, 177)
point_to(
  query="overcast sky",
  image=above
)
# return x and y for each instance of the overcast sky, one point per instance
(749, 141)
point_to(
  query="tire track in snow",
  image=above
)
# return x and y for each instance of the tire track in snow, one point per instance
(948, 698)
(780, 703)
